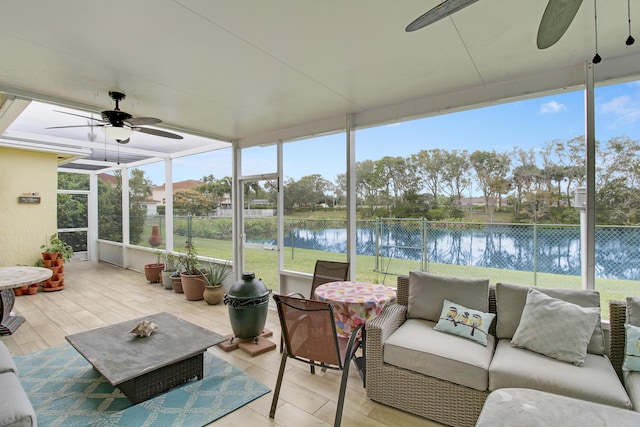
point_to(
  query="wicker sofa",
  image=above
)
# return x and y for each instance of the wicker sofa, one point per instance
(448, 378)
(622, 312)
(15, 408)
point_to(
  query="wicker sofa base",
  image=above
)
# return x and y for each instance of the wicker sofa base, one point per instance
(160, 380)
(427, 397)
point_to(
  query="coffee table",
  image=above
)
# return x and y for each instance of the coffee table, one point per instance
(145, 367)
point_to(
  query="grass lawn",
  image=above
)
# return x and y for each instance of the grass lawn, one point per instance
(264, 264)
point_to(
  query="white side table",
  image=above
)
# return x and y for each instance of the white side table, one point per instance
(15, 277)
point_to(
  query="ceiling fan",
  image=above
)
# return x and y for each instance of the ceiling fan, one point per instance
(119, 125)
(557, 17)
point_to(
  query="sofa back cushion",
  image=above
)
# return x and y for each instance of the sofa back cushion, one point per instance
(556, 328)
(511, 299)
(427, 292)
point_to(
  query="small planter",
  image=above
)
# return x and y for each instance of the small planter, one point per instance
(193, 286)
(176, 284)
(213, 295)
(33, 289)
(53, 284)
(152, 272)
(166, 279)
(46, 256)
(22, 290)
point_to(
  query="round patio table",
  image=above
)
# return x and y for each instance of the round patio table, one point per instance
(15, 277)
(354, 302)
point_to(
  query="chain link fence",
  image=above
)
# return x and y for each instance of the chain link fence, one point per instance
(527, 254)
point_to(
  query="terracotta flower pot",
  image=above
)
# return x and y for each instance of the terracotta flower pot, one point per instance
(176, 284)
(152, 272)
(213, 295)
(22, 290)
(50, 255)
(193, 286)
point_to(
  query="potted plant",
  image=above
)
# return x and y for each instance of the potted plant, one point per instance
(54, 255)
(168, 270)
(214, 275)
(176, 282)
(191, 277)
(56, 249)
(152, 271)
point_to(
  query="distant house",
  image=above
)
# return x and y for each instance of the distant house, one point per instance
(158, 193)
(109, 179)
(151, 206)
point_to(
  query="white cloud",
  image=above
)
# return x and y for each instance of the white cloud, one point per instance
(624, 109)
(552, 107)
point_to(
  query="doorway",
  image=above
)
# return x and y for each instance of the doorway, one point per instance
(260, 246)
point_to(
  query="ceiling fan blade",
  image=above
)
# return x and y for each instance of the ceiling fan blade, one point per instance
(76, 126)
(556, 19)
(158, 132)
(79, 115)
(142, 121)
(444, 9)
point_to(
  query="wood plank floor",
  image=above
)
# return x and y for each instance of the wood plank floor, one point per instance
(99, 294)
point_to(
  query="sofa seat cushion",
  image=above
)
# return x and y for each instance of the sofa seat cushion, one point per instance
(6, 360)
(416, 346)
(595, 381)
(632, 384)
(15, 408)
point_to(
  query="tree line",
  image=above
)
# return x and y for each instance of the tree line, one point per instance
(534, 185)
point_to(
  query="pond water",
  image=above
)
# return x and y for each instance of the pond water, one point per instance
(549, 249)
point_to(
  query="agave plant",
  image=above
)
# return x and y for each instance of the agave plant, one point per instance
(216, 273)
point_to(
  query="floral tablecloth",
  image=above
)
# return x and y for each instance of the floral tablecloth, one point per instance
(354, 302)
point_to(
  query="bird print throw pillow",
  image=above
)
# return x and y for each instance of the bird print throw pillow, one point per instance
(459, 320)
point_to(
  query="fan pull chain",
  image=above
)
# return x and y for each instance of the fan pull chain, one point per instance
(596, 59)
(105, 146)
(630, 40)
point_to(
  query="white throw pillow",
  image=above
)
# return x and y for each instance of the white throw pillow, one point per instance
(555, 328)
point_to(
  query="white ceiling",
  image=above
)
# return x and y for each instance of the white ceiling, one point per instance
(256, 72)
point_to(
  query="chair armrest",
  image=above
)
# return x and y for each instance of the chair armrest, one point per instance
(617, 317)
(379, 329)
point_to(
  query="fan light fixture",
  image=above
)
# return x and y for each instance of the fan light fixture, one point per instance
(630, 40)
(117, 132)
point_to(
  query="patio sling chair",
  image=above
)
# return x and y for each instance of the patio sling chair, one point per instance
(310, 336)
(328, 271)
(324, 272)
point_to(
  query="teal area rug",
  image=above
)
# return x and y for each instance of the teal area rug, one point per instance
(65, 390)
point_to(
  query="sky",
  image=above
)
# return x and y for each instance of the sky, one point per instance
(525, 124)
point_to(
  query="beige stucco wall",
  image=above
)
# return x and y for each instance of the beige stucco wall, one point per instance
(25, 227)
